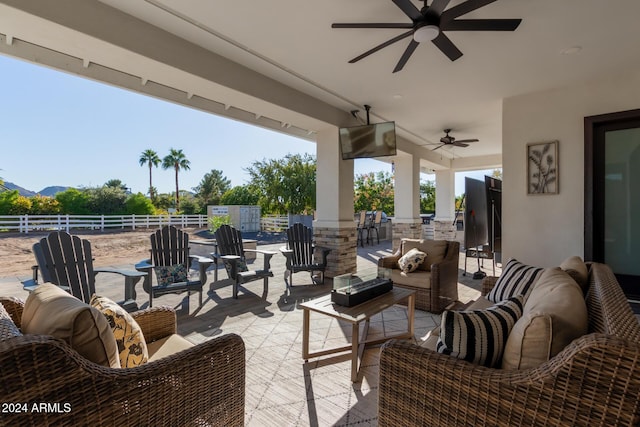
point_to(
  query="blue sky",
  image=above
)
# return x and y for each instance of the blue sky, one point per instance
(60, 129)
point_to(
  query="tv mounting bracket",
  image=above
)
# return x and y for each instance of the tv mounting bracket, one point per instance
(354, 113)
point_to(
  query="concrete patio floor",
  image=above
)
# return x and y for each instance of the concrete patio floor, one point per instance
(280, 388)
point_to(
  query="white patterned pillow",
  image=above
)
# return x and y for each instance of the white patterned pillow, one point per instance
(132, 347)
(516, 279)
(410, 261)
(479, 336)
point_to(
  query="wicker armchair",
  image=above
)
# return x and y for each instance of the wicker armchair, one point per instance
(436, 288)
(203, 385)
(595, 381)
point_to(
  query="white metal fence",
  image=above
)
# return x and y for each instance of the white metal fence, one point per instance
(27, 223)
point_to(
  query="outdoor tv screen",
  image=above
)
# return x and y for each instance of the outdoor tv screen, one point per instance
(361, 142)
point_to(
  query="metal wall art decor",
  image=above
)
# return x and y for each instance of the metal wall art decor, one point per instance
(542, 168)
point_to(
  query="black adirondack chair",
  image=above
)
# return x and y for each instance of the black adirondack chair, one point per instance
(170, 250)
(302, 254)
(66, 261)
(231, 251)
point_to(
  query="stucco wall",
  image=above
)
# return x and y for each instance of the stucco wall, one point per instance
(545, 229)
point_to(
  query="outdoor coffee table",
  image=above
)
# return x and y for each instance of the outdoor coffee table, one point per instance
(356, 315)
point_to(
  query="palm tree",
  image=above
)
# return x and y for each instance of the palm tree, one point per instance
(150, 158)
(176, 160)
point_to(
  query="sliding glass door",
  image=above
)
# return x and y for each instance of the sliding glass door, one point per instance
(612, 168)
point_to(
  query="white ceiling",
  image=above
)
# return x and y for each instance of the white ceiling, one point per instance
(292, 42)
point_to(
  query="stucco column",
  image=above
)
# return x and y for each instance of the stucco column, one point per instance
(334, 226)
(444, 228)
(406, 220)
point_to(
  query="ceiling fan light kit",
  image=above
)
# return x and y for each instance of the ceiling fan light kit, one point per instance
(430, 24)
(426, 33)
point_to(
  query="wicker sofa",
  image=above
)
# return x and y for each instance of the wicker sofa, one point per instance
(594, 381)
(202, 384)
(436, 279)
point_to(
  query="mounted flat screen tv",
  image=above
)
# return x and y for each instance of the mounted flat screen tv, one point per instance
(362, 142)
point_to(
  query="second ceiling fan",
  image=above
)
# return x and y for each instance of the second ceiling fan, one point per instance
(449, 140)
(429, 24)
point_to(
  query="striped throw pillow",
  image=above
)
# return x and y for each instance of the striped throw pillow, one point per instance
(479, 336)
(516, 279)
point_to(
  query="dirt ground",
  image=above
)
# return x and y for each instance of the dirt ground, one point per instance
(108, 248)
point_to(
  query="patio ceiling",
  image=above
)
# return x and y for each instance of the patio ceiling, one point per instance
(292, 43)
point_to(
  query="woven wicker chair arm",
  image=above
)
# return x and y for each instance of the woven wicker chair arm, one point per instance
(156, 322)
(203, 385)
(390, 261)
(444, 283)
(421, 387)
(14, 307)
(487, 284)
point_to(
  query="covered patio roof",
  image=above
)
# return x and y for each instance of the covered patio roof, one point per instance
(280, 64)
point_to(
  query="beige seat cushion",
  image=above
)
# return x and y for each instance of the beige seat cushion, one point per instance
(575, 267)
(554, 315)
(50, 310)
(167, 346)
(417, 279)
(435, 250)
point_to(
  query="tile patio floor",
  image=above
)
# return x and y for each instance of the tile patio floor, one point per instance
(280, 388)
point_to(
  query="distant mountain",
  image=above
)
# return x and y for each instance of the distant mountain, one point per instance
(52, 190)
(22, 191)
(48, 191)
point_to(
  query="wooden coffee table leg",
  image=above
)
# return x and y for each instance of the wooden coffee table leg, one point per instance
(355, 332)
(305, 334)
(411, 308)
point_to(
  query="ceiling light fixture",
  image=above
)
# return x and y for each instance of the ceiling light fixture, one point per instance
(426, 33)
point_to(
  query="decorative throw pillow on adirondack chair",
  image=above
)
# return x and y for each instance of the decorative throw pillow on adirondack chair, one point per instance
(171, 274)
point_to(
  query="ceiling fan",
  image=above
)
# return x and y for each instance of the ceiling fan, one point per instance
(449, 140)
(429, 24)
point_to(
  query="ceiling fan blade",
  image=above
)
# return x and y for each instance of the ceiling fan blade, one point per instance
(463, 8)
(406, 55)
(438, 6)
(459, 144)
(439, 146)
(468, 140)
(481, 25)
(447, 47)
(373, 25)
(409, 9)
(381, 46)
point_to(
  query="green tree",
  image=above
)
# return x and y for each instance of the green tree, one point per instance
(240, 195)
(107, 200)
(138, 204)
(176, 160)
(189, 205)
(116, 183)
(73, 201)
(210, 190)
(7, 200)
(151, 159)
(43, 205)
(374, 191)
(286, 185)
(163, 201)
(427, 197)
